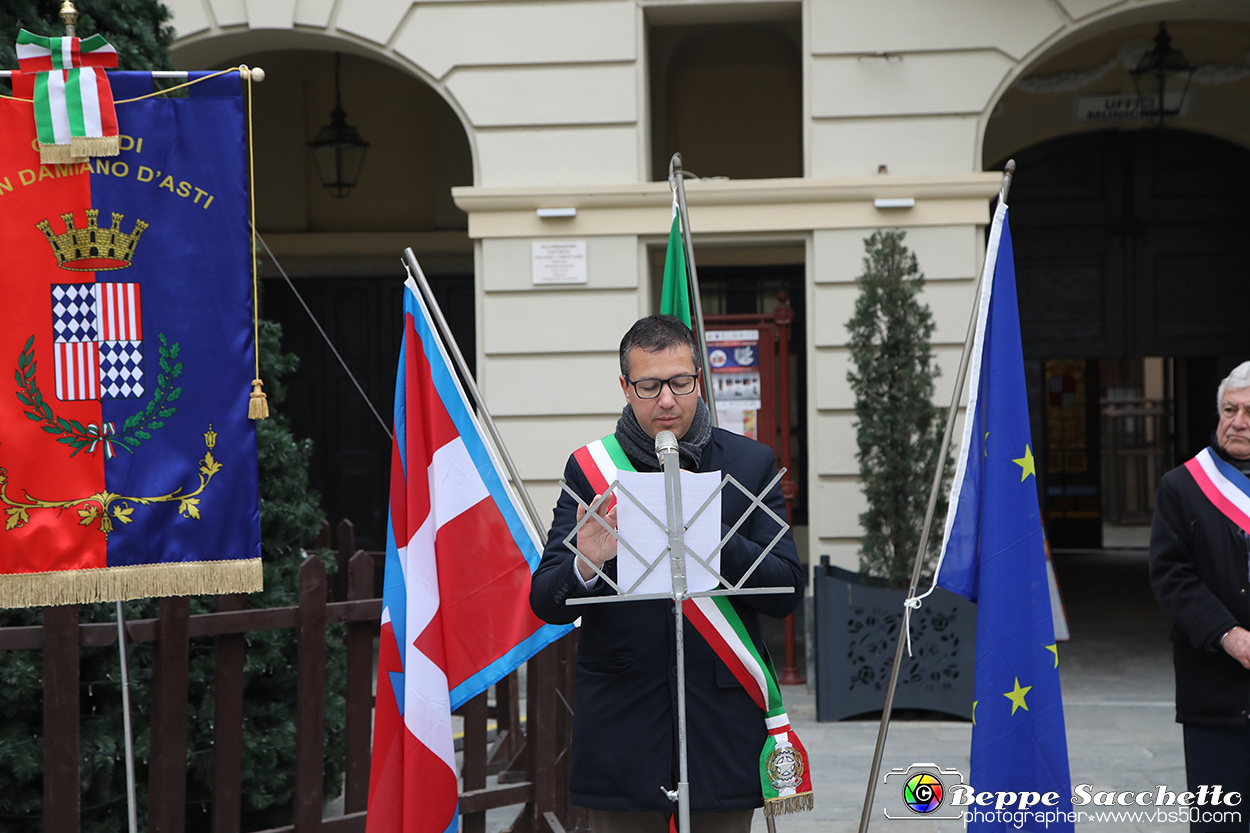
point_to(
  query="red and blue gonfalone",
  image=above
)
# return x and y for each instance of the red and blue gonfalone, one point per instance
(127, 459)
(455, 605)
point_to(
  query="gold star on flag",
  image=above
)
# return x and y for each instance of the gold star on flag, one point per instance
(1054, 649)
(1016, 696)
(1026, 463)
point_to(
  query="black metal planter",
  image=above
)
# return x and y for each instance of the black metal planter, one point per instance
(857, 628)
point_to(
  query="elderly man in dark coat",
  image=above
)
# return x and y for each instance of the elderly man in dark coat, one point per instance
(625, 712)
(1200, 571)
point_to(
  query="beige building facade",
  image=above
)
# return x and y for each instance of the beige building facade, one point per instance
(799, 116)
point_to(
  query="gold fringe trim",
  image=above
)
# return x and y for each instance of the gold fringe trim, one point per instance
(82, 147)
(55, 154)
(111, 584)
(79, 149)
(800, 803)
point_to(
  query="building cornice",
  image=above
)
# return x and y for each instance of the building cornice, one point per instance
(729, 206)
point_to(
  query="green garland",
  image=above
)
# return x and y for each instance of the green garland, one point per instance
(137, 427)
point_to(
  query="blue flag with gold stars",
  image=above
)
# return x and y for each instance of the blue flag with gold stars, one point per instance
(993, 553)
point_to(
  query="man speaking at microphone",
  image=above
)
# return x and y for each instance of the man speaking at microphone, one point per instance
(624, 753)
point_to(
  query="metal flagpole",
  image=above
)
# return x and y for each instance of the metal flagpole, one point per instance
(69, 16)
(934, 492)
(677, 178)
(414, 269)
(131, 805)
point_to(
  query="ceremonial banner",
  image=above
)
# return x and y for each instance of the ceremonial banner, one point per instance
(127, 461)
(455, 605)
(993, 553)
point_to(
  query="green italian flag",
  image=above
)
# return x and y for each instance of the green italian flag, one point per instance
(675, 294)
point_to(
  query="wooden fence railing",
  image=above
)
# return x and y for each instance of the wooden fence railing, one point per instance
(531, 765)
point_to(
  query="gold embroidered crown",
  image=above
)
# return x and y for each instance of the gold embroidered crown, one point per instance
(92, 249)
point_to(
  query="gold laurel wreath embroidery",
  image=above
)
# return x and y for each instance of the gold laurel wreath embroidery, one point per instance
(109, 507)
(137, 427)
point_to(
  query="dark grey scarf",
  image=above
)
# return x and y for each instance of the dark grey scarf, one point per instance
(1242, 466)
(641, 449)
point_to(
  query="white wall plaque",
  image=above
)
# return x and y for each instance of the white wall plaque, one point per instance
(559, 261)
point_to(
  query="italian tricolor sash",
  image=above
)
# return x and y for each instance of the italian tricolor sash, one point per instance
(785, 778)
(74, 113)
(1226, 487)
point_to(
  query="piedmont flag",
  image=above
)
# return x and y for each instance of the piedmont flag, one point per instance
(455, 605)
(993, 552)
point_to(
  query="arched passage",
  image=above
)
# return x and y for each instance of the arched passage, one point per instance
(1130, 260)
(343, 254)
(1128, 253)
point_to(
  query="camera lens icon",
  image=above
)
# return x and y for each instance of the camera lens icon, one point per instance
(922, 793)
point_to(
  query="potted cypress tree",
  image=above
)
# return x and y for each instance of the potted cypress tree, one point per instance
(899, 432)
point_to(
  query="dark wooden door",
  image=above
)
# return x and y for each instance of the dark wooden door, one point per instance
(1127, 244)
(363, 317)
(1132, 244)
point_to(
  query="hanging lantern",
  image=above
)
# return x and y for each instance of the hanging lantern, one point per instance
(1162, 79)
(338, 150)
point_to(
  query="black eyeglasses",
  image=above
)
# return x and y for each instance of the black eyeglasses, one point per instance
(682, 385)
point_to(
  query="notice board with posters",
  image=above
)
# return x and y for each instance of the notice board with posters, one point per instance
(742, 374)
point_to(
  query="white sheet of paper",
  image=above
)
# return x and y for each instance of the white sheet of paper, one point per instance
(651, 541)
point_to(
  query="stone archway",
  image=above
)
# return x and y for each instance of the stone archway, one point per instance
(343, 254)
(1130, 261)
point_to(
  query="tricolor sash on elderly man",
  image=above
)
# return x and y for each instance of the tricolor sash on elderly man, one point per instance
(1222, 484)
(127, 459)
(455, 603)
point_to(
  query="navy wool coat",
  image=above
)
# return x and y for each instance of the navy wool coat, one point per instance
(1198, 569)
(625, 713)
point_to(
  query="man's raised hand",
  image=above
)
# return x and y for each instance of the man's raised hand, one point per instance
(595, 542)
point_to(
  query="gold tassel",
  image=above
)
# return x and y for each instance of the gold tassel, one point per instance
(258, 405)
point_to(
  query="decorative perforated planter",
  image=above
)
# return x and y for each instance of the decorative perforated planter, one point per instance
(857, 627)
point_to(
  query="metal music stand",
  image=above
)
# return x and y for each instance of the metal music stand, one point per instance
(666, 450)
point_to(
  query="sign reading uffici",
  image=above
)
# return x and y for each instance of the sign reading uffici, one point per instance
(1126, 106)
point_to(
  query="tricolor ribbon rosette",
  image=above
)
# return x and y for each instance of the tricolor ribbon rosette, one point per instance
(74, 113)
(101, 435)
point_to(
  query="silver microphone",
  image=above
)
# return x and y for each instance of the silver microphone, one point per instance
(665, 441)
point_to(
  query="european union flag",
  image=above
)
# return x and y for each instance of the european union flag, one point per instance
(993, 553)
